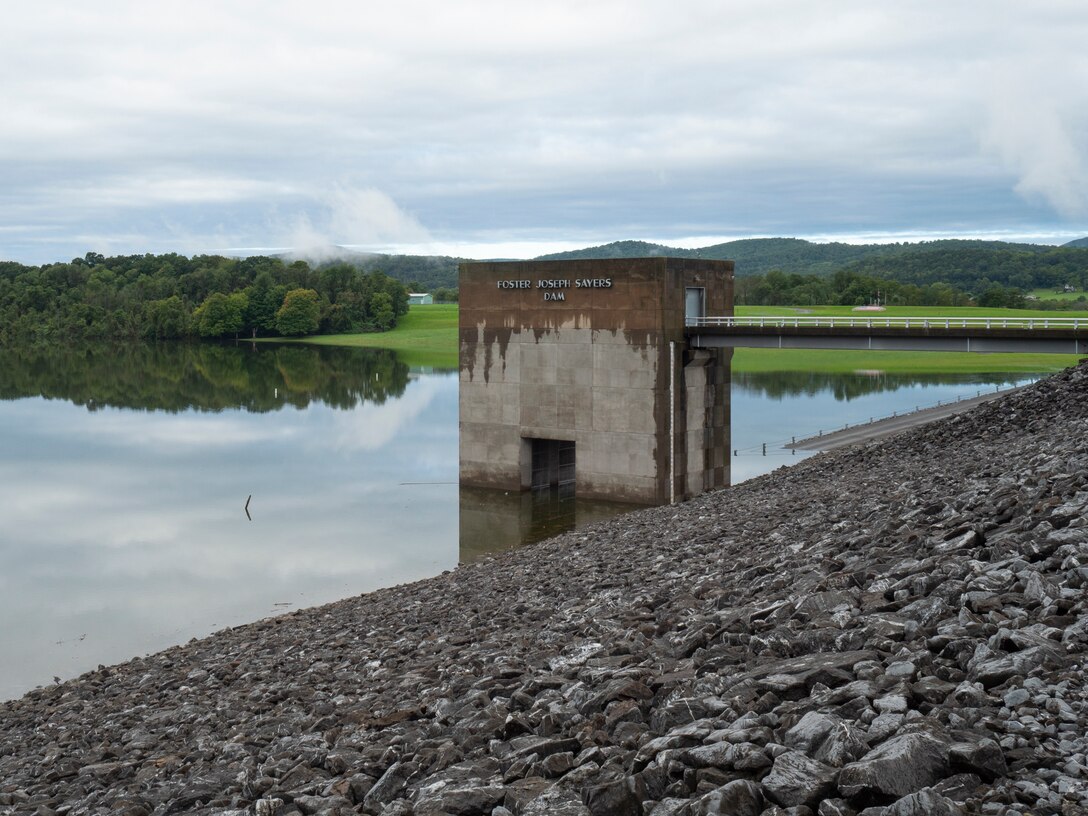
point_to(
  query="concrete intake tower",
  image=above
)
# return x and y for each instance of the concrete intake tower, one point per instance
(577, 372)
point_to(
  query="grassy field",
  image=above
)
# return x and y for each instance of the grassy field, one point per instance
(747, 360)
(427, 336)
(905, 362)
(904, 311)
(1050, 294)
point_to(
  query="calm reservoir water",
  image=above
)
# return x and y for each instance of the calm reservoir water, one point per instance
(125, 474)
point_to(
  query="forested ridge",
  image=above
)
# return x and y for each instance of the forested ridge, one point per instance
(172, 296)
(420, 273)
(158, 297)
(850, 288)
(791, 271)
(758, 256)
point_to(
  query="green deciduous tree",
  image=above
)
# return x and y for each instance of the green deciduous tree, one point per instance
(381, 311)
(445, 295)
(166, 319)
(221, 315)
(264, 299)
(299, 313)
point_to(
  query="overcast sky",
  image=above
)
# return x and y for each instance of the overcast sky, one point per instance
(507, 129)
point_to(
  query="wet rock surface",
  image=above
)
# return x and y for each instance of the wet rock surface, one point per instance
(895, 628)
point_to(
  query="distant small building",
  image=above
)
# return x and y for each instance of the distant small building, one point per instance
(420, 298)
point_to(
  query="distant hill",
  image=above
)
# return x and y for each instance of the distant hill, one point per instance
(976, 267)
(757, 256)
(430, 272)
(621, 249)
(973, 264)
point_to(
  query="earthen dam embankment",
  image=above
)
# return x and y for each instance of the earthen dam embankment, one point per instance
(894, 628)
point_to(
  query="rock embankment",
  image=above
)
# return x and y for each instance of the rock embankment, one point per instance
(894, 629)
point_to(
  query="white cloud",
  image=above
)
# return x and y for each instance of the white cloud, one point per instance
(426, 119)
(362, 217)
(370, 216)
(158, 189)
(1042, 139)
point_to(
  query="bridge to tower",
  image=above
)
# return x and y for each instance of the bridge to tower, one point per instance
(986, 335)
(579, 373)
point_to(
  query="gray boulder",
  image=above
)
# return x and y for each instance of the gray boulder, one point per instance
(468, 798)
(827, 738)
(741, 797)
(900, 766)
(795, 779)
(983, 757)
(925, 802)
(389, 786)
(556, 802)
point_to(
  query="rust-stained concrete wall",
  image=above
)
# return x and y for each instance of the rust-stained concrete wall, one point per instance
(580, 351)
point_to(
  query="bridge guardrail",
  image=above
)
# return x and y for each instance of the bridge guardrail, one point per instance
(869, 322)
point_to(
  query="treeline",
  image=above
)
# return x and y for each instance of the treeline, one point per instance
(444, 294)
(851, 288)
(977, 270)
(158, 297)
(972, 266)
(841, 289)
(177, 377)
(420, 273)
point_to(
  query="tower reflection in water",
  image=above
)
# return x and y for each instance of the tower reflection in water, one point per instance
(576, 377)
(496, 520)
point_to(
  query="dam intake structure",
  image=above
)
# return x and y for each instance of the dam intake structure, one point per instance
(578, 374)
(898, 627)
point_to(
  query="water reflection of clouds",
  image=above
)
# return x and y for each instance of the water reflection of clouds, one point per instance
(184, 432)
(30, 493)
(371, 426)
(110, 540)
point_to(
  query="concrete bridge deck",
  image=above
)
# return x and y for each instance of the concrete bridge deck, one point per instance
(1068, 335)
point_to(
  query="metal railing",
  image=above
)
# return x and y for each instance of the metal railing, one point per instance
(870, 322)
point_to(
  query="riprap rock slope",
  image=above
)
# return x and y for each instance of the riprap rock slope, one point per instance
(896, 628)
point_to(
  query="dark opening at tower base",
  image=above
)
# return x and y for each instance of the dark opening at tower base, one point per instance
(552, 464)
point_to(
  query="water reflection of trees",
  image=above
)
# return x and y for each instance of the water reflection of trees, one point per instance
(206, 377)
(845, 387)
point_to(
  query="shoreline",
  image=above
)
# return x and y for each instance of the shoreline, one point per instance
(887, 426)
(899, 624)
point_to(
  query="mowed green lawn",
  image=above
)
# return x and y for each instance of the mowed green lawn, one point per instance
(750, 360)
(903, 311)
(427, 336)
(906, 362)
(1050, 294)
